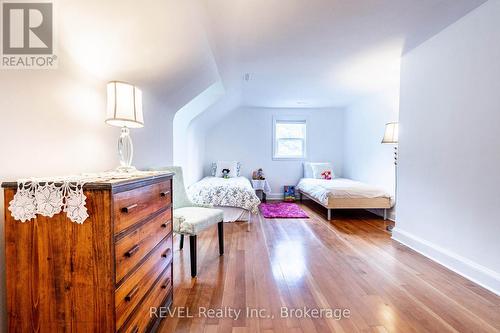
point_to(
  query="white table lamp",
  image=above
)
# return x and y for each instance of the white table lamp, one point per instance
(124, 109)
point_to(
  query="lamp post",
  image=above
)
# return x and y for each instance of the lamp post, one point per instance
(391, 136)
(124, 109)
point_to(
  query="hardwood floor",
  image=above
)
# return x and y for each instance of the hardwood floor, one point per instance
(350, 263)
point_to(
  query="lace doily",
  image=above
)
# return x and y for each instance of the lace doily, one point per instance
(50, 196)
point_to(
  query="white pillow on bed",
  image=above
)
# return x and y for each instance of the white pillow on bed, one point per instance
(322, 171)
(308, 171)
(231, 165)
(213, 169)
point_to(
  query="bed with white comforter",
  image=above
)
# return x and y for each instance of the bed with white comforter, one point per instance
(233, 195)
(342, 188)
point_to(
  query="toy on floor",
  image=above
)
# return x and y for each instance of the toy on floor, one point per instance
(289, 193)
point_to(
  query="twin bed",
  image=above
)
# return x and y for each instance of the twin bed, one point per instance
(342, 193)
(236, 197)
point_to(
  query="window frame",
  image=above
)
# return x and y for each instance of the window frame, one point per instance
(290, 120)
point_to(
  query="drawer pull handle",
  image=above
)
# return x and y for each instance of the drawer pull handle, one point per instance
(135, 329)
(164, 225)
(165, 254)
(166, 284)
(129, 208)
(132, 251)
(131, 294)
(164, 194)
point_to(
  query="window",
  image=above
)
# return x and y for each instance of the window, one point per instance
(289, 139)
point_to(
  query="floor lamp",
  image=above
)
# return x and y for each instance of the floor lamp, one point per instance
(391, 137)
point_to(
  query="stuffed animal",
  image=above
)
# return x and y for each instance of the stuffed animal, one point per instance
(327, 174)
(225, 173)
(258, 174)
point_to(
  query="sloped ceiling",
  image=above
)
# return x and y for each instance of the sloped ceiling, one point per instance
(320, 53)
(161, 46)
(297, 53)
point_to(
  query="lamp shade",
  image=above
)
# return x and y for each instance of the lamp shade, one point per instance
(124, 108)
(391, 133)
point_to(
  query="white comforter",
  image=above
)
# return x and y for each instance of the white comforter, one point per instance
(232, 192)
(322, 189)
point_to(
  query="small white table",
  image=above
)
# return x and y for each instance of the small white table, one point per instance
(261, 185)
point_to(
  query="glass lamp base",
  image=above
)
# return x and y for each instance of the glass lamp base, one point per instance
(125, 151)
(126, 169)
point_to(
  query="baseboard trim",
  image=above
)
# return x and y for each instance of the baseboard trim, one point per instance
(470, 270)
(275, 196)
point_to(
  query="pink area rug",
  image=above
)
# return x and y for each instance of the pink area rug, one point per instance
(282, 210)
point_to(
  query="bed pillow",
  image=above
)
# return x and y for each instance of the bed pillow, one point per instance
(232, 166)
(322, 171)
(308, 171)
(213, 169)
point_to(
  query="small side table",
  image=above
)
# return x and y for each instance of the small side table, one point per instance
(262, 186)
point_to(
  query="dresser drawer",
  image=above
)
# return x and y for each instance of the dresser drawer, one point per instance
(129, 294)
(132, 206)
(141, 319)
(134, 246)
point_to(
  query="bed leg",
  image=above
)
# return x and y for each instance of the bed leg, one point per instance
(329, 214)
(300, 197)
(385, 214)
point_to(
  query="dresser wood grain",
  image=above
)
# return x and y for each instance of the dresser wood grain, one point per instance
(99, 276)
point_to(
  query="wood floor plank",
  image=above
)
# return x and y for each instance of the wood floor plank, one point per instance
(348, 263)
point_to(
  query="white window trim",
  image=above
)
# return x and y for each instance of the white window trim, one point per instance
(291, 119)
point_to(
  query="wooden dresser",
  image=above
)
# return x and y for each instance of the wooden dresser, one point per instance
(100, 276)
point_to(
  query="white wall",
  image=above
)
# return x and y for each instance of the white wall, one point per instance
(196, 156)
(365, 158)
(449, 177)
(245, 135)
(188, 138)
